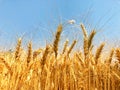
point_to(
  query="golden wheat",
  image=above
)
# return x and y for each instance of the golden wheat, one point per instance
(47, 69)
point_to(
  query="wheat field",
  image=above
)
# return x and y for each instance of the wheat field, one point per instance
(49, 69)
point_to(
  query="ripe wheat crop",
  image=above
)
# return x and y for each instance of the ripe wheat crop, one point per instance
(49, 69)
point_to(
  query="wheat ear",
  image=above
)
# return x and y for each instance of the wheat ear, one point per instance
(43, 60)
(36, 53)
(85, 46)
(6, 64)
(65, 46)
(118, 54)
(98, 52)
(57, 39)
(111, 56)
(71, 47)
(18, 48)
(29, 57)
(90, 39)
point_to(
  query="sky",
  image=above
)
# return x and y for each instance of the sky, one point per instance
(36, 18)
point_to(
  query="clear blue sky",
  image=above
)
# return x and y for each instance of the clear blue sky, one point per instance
(27, 16)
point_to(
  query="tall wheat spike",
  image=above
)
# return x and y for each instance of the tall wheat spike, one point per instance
(18, 49)
(84, 30)
(57, 39)
(29, 55)
(85, 46)
(90, 39)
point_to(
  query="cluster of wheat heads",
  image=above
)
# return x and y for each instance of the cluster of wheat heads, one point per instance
(49, 69)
